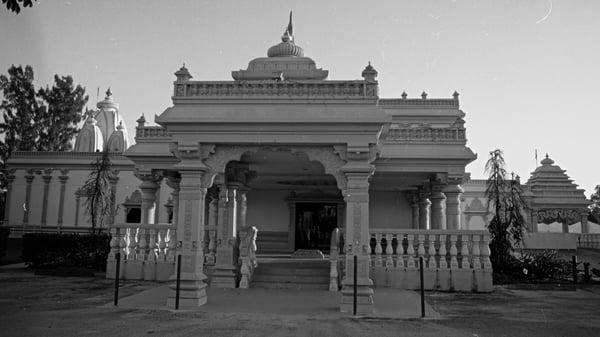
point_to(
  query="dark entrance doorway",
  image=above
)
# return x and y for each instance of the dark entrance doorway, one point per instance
(314, 223)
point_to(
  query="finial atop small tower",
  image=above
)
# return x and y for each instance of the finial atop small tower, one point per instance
(404, 95)
(369, 73)
(183, 74)
(455, 95)
(141, 121)
(547, 160)
(424, 95)
(108, 93)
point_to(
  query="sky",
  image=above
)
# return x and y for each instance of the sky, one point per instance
(528, 71)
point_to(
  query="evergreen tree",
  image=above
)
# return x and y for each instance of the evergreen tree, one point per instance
(58, 123)
(505, 199)
(96, 189)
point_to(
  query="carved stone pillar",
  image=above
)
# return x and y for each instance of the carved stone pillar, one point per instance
(453, 193)
(47, 178)
(173, 182)
(438, 218)
(357, 244)
(533, 225)
(149, 186)
(213, 218)
(63, 177)
(242, 207)
(565, 227)
(224, 275)
(584, 222)
(424, 209)
(413, 199)
(29, 179)
(292, 226)
(10, 177)
(190, 232)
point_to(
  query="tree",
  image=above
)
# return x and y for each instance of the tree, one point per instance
(96, 189)
(14, 6)
(58, 123)
(505, 199)
(595, 206)
(42, 121)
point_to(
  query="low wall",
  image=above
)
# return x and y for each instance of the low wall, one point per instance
(563, 241)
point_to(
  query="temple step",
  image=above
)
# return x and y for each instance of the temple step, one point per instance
(272, 242)
(292, 274)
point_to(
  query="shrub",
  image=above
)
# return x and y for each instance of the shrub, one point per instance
(535, 267)
(4, 232)
(50, 250)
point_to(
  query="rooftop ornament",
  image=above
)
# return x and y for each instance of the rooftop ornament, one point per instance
(424, 95)
(287, 47)
(183, 74)
(369, 73)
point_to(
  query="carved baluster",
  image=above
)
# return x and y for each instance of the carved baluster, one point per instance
(410, 251)
(124, 243)
(172, 246)
(131, 244)
(476, 252)
(485, 252)
(378, 251)
(152, 245)
(400, 251)
(389, 251)
(453, 252)
(442, 252)
(142, 245)
(421, 246)
(464, 252)
(114, 243)
(162, 244)
(431, 252)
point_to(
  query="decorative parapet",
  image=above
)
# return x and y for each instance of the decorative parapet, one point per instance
(151, 132)
(420, 102)
(426, 134)
(276, 89)
(63, 154)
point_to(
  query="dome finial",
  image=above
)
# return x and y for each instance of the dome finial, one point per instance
(108, 92)
(290, 28)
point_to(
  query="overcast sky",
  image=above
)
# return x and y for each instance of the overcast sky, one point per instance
(527, 71)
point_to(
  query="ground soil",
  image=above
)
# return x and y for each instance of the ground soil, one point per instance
(33, 305)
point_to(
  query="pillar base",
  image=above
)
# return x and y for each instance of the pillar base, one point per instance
(364, 299)
(223, 277)
(192, 291)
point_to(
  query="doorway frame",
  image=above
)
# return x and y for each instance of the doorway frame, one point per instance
(314, 197)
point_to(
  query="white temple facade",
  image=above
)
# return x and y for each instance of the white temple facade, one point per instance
(286, 155)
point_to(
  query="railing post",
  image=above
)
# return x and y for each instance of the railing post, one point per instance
(421, 262)
(178, 284)
(117, 271)
(355, 290)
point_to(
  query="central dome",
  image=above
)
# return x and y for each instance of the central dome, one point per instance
(287, 48)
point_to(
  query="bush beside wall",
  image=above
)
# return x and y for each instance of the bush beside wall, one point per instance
(52, 250)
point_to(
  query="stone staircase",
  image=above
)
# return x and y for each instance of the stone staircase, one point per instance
(272, 243)
(287, 273)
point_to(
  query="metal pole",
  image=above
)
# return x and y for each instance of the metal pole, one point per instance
(586, 271)
(574, 262)
(117, 276)
(355, 295)
(422, 287)
(178, 282)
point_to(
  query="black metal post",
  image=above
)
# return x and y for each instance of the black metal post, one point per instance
(117, 276)
(422, 287)
(574, 262)
(355, 286)
(178, 282)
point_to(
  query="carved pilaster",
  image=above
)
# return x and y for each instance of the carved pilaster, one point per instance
(47, 177)
(62, 178)
(424, 211)
(29, 176)
(10, 178)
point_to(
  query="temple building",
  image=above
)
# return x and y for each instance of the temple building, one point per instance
(282, 161)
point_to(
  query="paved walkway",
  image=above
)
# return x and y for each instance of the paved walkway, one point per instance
(389, 303)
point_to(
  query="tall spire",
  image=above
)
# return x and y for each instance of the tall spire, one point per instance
(290, 29)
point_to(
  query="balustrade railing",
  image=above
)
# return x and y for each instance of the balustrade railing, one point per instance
(455, 259)
(589, 240)
(247, 255)
(148, 252)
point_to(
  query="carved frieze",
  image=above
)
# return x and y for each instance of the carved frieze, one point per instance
(405, 133)
(283, 89)
(548, 216)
